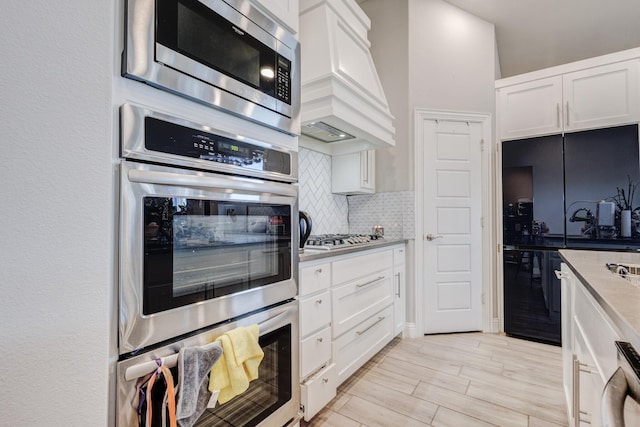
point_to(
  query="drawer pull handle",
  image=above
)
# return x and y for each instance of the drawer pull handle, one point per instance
(371, 282)
(318, 301)
(325, 380)
(318, 271)
(320, 339)
(380, 319)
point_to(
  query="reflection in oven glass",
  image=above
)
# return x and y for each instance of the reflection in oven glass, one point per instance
(265, 395)
(197, 249)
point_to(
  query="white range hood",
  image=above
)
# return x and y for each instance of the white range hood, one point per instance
(343, 106)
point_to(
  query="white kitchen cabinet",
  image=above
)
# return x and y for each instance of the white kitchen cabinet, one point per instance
(567, 280)
(318, 390)
(595, 97)
(399, 290)
(601, 96)
(366, 310)
(531, 108)
(356, 301)
(353, 173)
(284, 11)
(588, 384)
(355, 347)
(318, 378)
(589, 339)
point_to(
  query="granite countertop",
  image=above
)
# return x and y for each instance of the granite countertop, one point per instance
(313, 254)
(618, 297)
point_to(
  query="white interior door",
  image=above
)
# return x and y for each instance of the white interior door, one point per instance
(452, 229)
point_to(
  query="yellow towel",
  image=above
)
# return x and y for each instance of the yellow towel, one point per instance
(241, 357)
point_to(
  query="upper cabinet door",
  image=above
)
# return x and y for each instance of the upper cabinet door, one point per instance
(532, 108)
(601, 96)
(285, 11)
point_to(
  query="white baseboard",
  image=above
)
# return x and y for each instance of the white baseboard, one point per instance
(495, 325)
(410, 330)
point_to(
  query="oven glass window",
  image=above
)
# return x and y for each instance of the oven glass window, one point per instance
(197, 249)
(266, 394)
(194, 30)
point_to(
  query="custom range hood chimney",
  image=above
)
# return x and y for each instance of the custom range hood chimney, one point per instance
(343, 105)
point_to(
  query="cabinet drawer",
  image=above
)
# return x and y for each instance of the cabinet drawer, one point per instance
(315, 312)
(350, 269)
(354, 302)
(318, 391)
(601, 334)
(357, 346)
(314, 351)
(314, 278)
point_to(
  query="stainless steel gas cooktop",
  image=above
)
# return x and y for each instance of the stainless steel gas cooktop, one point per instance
(326, 242)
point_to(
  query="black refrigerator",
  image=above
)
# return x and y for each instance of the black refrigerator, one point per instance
(562, 191)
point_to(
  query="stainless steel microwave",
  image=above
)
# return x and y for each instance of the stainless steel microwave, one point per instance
(222, 53)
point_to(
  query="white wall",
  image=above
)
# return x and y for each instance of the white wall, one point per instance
(451, 58)
(389, 37)
(57, 212)
(429, 54)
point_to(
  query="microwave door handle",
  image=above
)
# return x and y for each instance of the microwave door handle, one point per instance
(613, 397)
(198, 181)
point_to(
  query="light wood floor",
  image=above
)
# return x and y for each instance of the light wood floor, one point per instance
(455, 380)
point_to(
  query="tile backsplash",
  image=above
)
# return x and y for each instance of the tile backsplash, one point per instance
(334, 213)
(394, 211)
(329, 212)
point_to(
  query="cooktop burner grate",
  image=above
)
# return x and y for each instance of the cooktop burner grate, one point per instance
(335, 241)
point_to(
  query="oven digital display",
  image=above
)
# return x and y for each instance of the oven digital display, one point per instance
(234, 150)
(171, 138)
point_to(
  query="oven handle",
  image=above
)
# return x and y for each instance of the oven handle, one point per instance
(145, 368)
(272, 321)
(202, 181)
(613, 399)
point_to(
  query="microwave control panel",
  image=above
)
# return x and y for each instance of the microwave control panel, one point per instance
(171, 138)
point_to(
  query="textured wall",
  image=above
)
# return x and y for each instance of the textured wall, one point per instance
(57, 214)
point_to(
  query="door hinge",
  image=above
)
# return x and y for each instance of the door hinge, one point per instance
(482, 144)
(498, 247)
(482, 221)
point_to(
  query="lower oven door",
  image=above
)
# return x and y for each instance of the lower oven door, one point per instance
(272, 400)
(199, 248)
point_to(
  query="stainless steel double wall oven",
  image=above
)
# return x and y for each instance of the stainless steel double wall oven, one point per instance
(208, 237)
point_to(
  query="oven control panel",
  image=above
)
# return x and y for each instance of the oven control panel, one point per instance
(171, 138)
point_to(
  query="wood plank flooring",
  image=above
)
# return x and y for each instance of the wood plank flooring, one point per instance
(453, 380)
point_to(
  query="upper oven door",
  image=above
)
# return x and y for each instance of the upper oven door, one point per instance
(224, 53)
(200, 248)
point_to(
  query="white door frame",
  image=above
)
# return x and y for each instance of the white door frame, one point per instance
(488, 236)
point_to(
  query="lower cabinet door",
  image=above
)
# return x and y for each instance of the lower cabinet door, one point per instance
(355, 347)
(318, 390)
(315, 350)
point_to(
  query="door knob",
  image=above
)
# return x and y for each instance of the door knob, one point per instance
(431, 237)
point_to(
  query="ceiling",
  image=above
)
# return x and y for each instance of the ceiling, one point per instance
(536, 34)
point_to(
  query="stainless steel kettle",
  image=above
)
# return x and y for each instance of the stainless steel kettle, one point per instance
(305, 227)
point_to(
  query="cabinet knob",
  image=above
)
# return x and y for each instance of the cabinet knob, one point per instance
(318, 271)
(320, 339)
(318, 301)
(325, 380)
